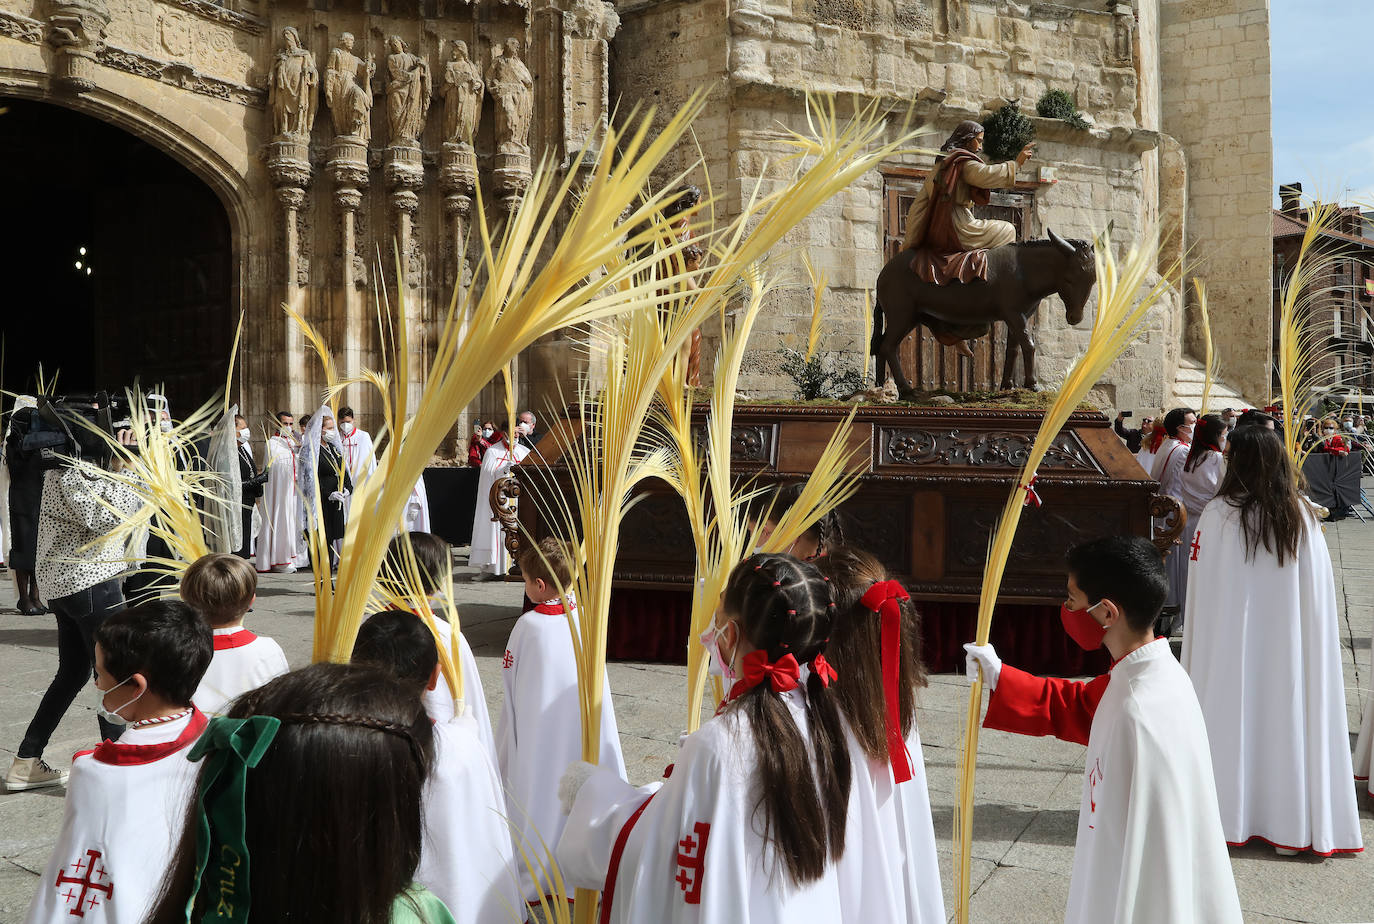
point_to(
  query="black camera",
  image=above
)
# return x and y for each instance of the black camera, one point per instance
(73, 426)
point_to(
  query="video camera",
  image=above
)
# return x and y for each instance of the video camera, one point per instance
(65, 426)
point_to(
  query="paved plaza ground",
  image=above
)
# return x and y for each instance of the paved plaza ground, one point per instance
(1027, 790)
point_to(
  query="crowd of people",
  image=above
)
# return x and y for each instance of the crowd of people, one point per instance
(227, 786)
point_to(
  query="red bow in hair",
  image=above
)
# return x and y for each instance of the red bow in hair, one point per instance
(822, 669)
(1157, 436)
(782, 675)
(884, 598)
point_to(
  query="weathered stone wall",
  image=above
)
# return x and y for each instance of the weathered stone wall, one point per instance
(1216, 102)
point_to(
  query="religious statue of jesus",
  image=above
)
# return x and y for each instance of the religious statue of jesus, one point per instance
(511, 86)
(462, 96)
(408, 93)
(348, 90)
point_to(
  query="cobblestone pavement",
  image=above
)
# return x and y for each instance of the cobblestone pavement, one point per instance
(1027, 788)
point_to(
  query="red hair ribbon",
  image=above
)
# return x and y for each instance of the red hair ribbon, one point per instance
(884, 598)
(1032, 495)
(822, 669)
(782, 675)
(1157, 436)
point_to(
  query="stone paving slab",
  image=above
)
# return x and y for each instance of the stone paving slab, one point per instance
(1027, 788)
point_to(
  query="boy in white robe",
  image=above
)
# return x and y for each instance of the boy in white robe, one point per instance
(280, 546)
(1262, 644)
(1364, 748)
(127, 800)
(540, 731)
(488, 546)
(1178, 425)
(222, 588)
(359, 453)
(1150, 846)
(466, 858)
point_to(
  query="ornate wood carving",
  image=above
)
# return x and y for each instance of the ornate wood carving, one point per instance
(1169, 519)
(750, 444)
(505, 509)
(987, 449)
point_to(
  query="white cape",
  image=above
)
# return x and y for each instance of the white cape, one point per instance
(692, 855)
(466, 857)
(279, 542)
(243, 661)
(438, 702)
(415, 517)
(890, 870)
(541, 731)
(488, 546)
(121, 824)
(360, 458)
(1150, 846)
(1261, 644)
(1364, 745)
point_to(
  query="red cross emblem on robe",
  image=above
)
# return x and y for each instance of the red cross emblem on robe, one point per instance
(691, 862)
(1197, 544)
(508, 661)
(84, 886)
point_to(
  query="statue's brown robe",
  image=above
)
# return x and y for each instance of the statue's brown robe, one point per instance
(941, 225)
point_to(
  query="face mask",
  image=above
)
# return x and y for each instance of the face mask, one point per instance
(166, 426)
(523, 428)
(1185, 434)
(112, 715)
(346, 428)
(1081, 626)
(710, 640)
(244, 435)
(486, 433)
(1329, 431)
(285, 431)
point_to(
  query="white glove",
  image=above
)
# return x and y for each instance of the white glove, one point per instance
(571, 783)
(338, 497)
(984, 656)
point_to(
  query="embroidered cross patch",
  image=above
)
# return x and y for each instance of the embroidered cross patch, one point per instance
(1197, 544)
(691, 863)
(508, 661)
(1094, 777)
(88, 873)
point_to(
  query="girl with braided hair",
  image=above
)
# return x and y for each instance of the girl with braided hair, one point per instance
(308, 806)
(750, 825)
(825, 534)
(889, 871)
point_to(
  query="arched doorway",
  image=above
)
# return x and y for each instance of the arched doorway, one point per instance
(118, 259)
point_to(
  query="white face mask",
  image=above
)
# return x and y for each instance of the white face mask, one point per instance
(112, 715)
(1329, 431)
(285, 431)
(346, 428)
(523, 428)
(166, 426)
(487, 432)
(244, 435)
(719, 667)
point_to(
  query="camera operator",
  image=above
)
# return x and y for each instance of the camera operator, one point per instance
(78, 572)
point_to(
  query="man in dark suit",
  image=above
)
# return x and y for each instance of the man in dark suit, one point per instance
(252, 481)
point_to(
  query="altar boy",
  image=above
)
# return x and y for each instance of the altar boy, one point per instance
(127, 799)
(1150, 845)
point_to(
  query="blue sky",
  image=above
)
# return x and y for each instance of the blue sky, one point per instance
(1323, 136)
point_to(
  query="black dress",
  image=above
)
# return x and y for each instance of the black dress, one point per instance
(331, 466)
(26, 493)
(252, 481)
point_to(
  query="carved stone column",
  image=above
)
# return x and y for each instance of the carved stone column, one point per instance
(76, 31)
(457, 178)
(288, 164)
(405, 175)
(348, 169)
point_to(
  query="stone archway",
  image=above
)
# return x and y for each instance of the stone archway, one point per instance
(155, 294)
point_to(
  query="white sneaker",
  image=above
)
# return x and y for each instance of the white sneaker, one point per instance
(33, 773)
(1285, 851)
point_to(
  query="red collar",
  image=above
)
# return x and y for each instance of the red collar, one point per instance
(234, 640)
(129, 755)
(555, 608)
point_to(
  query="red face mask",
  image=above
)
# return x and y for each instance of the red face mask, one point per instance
(1081, 626)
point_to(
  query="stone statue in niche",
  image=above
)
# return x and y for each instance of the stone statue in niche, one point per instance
(462, 91)
(408, 92)
(511, 86)
(348, 90)
(292, 87)
(1123, 22)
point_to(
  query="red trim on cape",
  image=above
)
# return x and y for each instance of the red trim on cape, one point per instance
(130, 755)
(234, 640)
(1307, 849)
(552, 609)
(613, 871)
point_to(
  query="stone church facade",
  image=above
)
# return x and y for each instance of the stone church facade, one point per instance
(331, 130)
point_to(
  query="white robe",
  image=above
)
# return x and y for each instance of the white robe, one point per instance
(280, 543)
(360, 458)
(541, 730)
(488, 546)
(438, 702)
(692, 855)
(1150, 845)
(415, 517)
(1146, 458)
(125, 810)
(1162, 458)
(1364, 743)
(243, 661)
(1169, 473)
(466, 857)
(1261, 643)
(890, 870)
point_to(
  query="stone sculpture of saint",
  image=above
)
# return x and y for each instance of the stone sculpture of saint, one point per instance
(408, 92)
(348, 90)
(462, 90)
(292, 87)
(511, 86)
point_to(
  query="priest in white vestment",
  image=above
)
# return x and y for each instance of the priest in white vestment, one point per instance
(488, 552)
(280, 545)
(1261, 642)
(1150, 846)
(359, 452)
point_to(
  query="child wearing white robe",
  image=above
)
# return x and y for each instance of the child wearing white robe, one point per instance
(706, 845)
(1262, 644)
(1194, 483)
(540, 732)
(222, 588)
(466, 858)
(127, 799)
(889, 871)
(1150, 846)
(280, 546)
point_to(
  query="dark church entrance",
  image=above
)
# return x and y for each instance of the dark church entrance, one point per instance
(117, 261)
